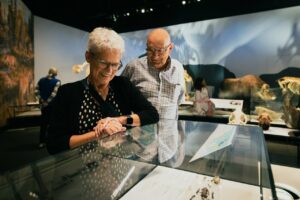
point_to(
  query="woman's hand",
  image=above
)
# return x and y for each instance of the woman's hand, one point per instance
(108, 126)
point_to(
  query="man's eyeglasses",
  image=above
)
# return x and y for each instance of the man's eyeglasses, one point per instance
(105, 65)
(158, 51)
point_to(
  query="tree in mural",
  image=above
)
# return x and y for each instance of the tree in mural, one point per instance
(16, 57)
(291, 48)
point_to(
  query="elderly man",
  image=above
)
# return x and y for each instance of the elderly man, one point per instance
(159, 77)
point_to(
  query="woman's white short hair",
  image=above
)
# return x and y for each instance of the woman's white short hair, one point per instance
(104, 38)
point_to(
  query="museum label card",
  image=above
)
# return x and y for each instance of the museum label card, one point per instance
(220, 138)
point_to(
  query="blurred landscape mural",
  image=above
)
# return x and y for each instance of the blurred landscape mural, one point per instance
(257, 43)
(16, 57)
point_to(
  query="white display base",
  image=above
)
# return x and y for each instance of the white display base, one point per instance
(228, 103)
(279, 131)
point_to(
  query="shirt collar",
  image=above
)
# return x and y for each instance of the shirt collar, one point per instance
(165, 69)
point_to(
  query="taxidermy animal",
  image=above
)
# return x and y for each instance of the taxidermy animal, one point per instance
(245, 87)
(272, 114)
(290, 90)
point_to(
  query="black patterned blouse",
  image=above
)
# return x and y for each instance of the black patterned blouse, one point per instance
(77, 109)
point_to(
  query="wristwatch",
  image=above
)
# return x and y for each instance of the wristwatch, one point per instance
(129, 120)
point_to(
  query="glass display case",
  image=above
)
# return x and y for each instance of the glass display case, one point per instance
(283, 111)
(168, 160)
(222, 110)
(274, 108)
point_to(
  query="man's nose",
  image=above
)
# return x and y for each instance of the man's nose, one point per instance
(155, 54)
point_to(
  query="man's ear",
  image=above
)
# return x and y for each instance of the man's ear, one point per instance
(88, 56)
(171, 46)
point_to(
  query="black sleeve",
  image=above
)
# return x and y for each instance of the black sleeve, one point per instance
(136, 102)
(63, 120)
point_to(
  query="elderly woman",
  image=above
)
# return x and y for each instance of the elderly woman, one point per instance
(102, 103)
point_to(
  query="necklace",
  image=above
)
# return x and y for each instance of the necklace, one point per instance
(103, 92)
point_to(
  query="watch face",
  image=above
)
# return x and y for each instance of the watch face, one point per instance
(129, 120)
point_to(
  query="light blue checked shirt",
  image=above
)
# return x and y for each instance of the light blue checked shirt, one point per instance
(164, 89)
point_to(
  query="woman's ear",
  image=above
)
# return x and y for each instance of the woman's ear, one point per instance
(88, 56)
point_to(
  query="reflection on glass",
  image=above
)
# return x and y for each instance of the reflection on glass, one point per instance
(171, 142)
(110, 167)
(94, 178)
(158, 143)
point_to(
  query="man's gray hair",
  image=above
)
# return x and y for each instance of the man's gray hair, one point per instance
(104, 38)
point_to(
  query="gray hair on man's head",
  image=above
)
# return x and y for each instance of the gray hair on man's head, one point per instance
(104, 38)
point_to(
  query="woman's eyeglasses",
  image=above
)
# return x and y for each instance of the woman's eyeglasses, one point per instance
(105, 65)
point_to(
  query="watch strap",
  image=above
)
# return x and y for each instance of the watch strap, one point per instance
(129, 120)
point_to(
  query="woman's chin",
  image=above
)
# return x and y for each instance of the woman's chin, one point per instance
(105, 79)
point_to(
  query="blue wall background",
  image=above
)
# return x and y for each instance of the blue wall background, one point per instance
(264, 42)
(258, 43)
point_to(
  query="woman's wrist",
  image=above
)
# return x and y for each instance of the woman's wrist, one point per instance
(122, 119)
(96, 135)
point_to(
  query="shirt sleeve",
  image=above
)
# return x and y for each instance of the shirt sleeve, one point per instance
(37, 92)
(54, 92)
(146, 111)
(182, 83)
(126, 72)
(137, 103)
(61, 126)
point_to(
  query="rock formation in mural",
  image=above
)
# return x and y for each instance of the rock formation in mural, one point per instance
(16, 57)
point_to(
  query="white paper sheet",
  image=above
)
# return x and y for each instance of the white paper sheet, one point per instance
(166, 183)
(219, 139)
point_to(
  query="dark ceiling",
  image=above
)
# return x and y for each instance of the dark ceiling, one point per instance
(126, 15)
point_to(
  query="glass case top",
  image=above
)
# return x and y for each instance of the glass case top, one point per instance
(111, 166)
(236, 153)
